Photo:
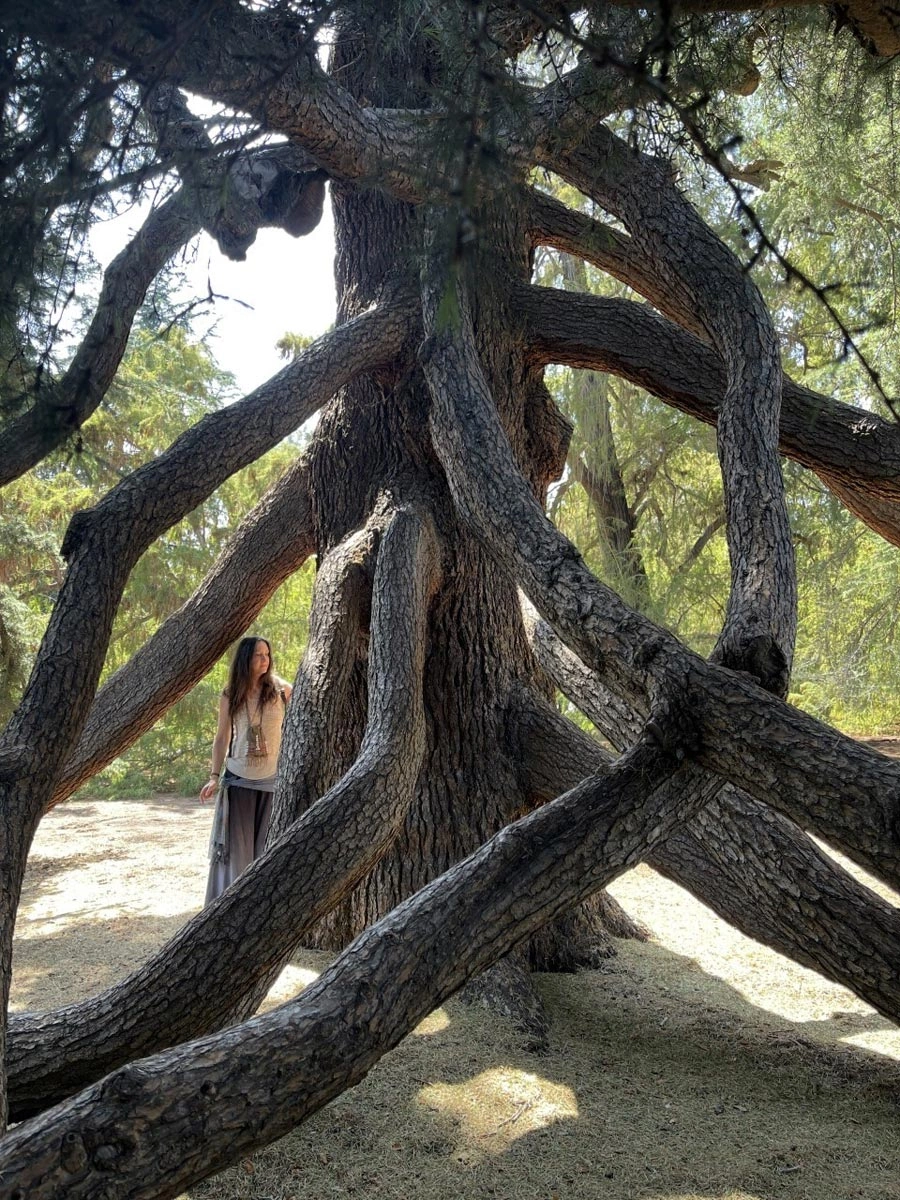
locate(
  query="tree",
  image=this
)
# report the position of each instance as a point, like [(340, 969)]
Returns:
[(433, 809), (165, 382)]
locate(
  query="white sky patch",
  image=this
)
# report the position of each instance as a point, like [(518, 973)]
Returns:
[(285, 285)]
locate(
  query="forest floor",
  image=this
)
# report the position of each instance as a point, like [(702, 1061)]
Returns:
[(698, 1064)]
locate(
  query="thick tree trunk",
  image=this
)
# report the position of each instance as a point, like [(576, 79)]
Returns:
[(373, 439), (150, 1130), (196, 981), (424, 499)]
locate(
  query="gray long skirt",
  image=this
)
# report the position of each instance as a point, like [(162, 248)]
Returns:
[(248, 824)]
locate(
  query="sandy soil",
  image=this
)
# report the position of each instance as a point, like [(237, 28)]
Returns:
[(699, 1064)]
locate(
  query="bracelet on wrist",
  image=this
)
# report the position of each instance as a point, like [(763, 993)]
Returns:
[(215, 774)]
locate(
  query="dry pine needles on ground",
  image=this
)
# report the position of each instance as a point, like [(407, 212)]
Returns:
[(696, 1065)]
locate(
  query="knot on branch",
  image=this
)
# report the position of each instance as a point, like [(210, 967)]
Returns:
[(13, 763), (761, 658), (124, 1085), (72, 1154), (75, 534), (427, 349), (295, 201)]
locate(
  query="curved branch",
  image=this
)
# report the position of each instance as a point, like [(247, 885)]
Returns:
[(232, 198), (704, 276), (259, 64), (236, 193), (854, 452), (194, 982), (551, 223), (750, 865), (62, 407), (281, 1067), (103, 543), (320, 741), (821, 779), (271, 543)]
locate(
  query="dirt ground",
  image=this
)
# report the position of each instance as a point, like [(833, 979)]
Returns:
[(697, 1065)]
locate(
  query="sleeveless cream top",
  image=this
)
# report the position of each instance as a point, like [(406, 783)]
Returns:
[(271, 717)]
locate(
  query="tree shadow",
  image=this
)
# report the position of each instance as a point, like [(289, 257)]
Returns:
[(660, 1081), (43, 870), (84, 956)]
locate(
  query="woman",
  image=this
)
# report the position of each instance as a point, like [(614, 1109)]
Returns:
[(244, 758)]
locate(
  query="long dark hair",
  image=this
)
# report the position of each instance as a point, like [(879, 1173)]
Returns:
[(239, 675)]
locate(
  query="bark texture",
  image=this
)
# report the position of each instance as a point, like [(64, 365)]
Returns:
[(419, 820), (220, 956), (751, 865), (855, 453), (246, 1086)]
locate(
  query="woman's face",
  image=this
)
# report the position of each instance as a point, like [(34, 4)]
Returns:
[(259, 663)]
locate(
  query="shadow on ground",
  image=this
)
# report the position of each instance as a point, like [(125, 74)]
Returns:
[(647, 1091)]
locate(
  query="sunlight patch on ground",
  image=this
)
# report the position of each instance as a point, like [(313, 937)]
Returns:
[(670, 1079), (758, 975), (499, 1106), (877, 1041), (77, 876), (708, 1196), (290, 983), (435, 1022)]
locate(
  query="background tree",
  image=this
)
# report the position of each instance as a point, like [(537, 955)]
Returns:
[(433, 809)]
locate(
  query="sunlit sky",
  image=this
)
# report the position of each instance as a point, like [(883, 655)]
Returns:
[(285, 285)]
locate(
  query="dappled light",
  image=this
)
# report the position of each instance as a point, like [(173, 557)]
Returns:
[(290, 983), (497, 1107), (664, 1079), (435, 1022), (808, 1004)]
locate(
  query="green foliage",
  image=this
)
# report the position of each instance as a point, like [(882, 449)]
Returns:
[(163, 386), (292, 345), (848, 646), (817, 160), (848, 653), (830, 205)]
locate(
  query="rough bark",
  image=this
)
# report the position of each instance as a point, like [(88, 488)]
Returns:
[(752, 866), (876, 26), (194, 983), (218, 1098), (854, 452), (231, 196), (268, 69), (374, 437), (468, 433), (554, 224), (103, 543), (819, 778), (234, 194), (100, 548), (63, 406), (271, 543), (697, 268)]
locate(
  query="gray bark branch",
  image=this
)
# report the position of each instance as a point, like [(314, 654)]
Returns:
[(751, 865), (854, 452), (821, 779), (271, 543), (701, 273), (194, 983), (62, 407), (224, 1095)]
